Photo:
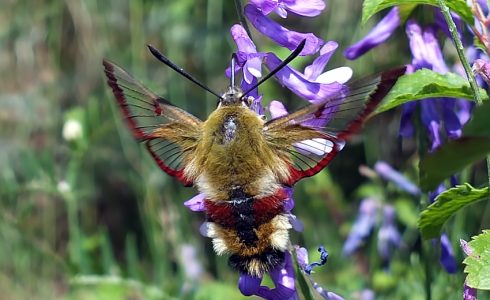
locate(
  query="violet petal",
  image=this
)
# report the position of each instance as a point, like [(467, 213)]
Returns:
[(299, 85), (390, 174), (307, 8), (281, 35), (447, 255), (316, 68), (249, 285), (380, 33), (196, 203)]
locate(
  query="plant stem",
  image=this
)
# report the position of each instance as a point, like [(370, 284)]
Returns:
[(464, 62)]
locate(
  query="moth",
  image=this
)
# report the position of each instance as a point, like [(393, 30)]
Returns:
[(242, 163)]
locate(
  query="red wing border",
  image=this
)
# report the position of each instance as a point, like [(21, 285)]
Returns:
[(146, 114), (336, 119)]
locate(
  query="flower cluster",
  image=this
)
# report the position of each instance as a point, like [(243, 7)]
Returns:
[(440, 117), (373, 213), (312, 84)]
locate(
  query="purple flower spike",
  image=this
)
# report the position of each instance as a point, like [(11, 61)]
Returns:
[(307, 8), (380, 33), (284, 37), (298, 84), (388, 236), (283, 278), (366, 219), (447, 259), (390, 174), (196, 203)]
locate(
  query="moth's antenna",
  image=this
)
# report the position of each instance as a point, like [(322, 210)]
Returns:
[(291, 56), (179, 70), (232, 77)]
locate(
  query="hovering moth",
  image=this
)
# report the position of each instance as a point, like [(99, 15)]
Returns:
[(241, 162)]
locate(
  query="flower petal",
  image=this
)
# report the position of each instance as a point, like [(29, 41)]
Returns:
[(390, 174), (299, 85), (339, 75), (380, 33), (248, 285), (364, 224), (307, 8), (277, 109), (316, 68), (196, 203), (284, 37), (447, 259), (265, 6)]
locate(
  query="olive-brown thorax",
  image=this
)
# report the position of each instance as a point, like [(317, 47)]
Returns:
[(233, 152)]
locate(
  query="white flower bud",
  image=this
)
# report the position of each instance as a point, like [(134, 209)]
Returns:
[(72, 130)]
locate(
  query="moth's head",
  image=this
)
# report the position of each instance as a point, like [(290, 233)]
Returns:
[(234, 96)]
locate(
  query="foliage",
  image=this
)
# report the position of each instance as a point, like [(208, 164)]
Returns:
[(478, 262), (446, 205)]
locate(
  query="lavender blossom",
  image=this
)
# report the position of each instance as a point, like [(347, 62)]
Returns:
[(389, 237), (282, 276), (364, 224), (378, 35), (307, 8), (390, 174), (281, 35)]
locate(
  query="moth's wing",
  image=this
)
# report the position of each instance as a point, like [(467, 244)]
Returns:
[(170, 133), (310, 137)]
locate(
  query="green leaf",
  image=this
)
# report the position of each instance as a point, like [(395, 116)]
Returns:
[(371, 7), (446, 204), (451, 158), (479, 125), (478, 262), (427, 84)]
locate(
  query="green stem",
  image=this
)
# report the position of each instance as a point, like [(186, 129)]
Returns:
[(464, 62)]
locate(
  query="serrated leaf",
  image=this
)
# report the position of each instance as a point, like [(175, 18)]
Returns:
[(427, 84), (478, 262), (371, 7), (445, 205), (451, 158)]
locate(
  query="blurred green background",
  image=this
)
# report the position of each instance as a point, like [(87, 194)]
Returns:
[(92, 217)]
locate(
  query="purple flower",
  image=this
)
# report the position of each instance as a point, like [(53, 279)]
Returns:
[(482, 68), (196, 203), (300, 85), (436, 114), (252, 67), (282, 276), (380, 33), (447, 259), (281, 35), (307, 8), (469, 293), (390, 174), (388, 236), (364, 224)]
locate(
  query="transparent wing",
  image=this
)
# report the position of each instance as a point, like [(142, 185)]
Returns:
[(169, 132), (318, 131)]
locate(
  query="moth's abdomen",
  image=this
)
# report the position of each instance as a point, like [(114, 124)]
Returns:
[(253, 230)]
